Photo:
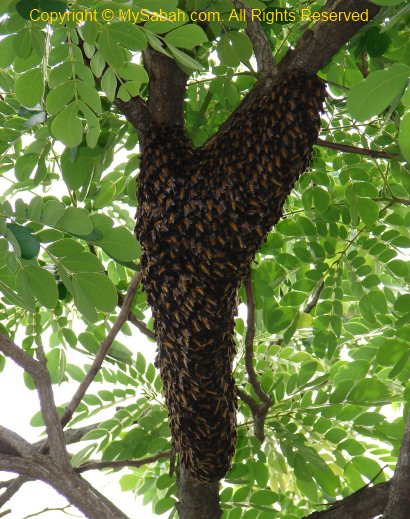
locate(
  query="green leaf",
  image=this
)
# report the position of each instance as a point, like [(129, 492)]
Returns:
[(387, 2), (140, 363), (400, 268), (302, 469), (89, 342), (43, 285), (404, 136), (263, 497), (377, 91), (82, 262), (186, 37), (128, 35), (369, 391), (65, 247), (133, 72), (60, 96), (76, 221), (164, 505), (29, 243), (120, 244), (67, 127), (368, 210), (99, 289), (29, 87), (89, 95), (77, 166), (184, 59), (25, 290), (109, 84), (53, 210), (402, 304), (234, 47), (25, 165), (82, 455), (321, 198), (110, 51), (376, 42)]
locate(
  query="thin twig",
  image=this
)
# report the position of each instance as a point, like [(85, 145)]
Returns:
[(142, 327), (249, 338), (310, 305), (102, 352), (115, 464), (346, 148), (35, 514)]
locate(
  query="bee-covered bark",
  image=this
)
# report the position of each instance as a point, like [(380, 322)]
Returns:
[(202, 215)]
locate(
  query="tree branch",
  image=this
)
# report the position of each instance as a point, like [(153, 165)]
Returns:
[(39, 373), (136, 112), (249, 338), (20, 357), (366, 503), (142, 327), (313, 50), (72, 486), (52, 422), (398, 504), (354, 149), (102, 352), (310, 305), (116, 464), (259, 410), (17, 444), (317, 45), (167, 84), (260, 43)]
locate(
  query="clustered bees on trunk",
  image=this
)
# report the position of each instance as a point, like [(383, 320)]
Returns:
[(202, 215)]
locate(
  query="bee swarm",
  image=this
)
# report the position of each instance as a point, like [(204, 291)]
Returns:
[(202, 215)]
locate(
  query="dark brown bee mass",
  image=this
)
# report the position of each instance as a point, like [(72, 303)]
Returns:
[(202, 215)]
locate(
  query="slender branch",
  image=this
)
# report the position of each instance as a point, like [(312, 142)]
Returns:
[(52, 422), (20, 357), (354, 149), (116, 464), (398, 504), (35, 514), (260, 43), (249, 401), (102, 352), (366, 503), (249, 338), (12, 488), (310, 305), (142, 327), (259, 410), (39, 372)]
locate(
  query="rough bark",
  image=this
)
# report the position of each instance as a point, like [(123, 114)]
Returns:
[(366, 503), (398, 506), (197, 498)]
